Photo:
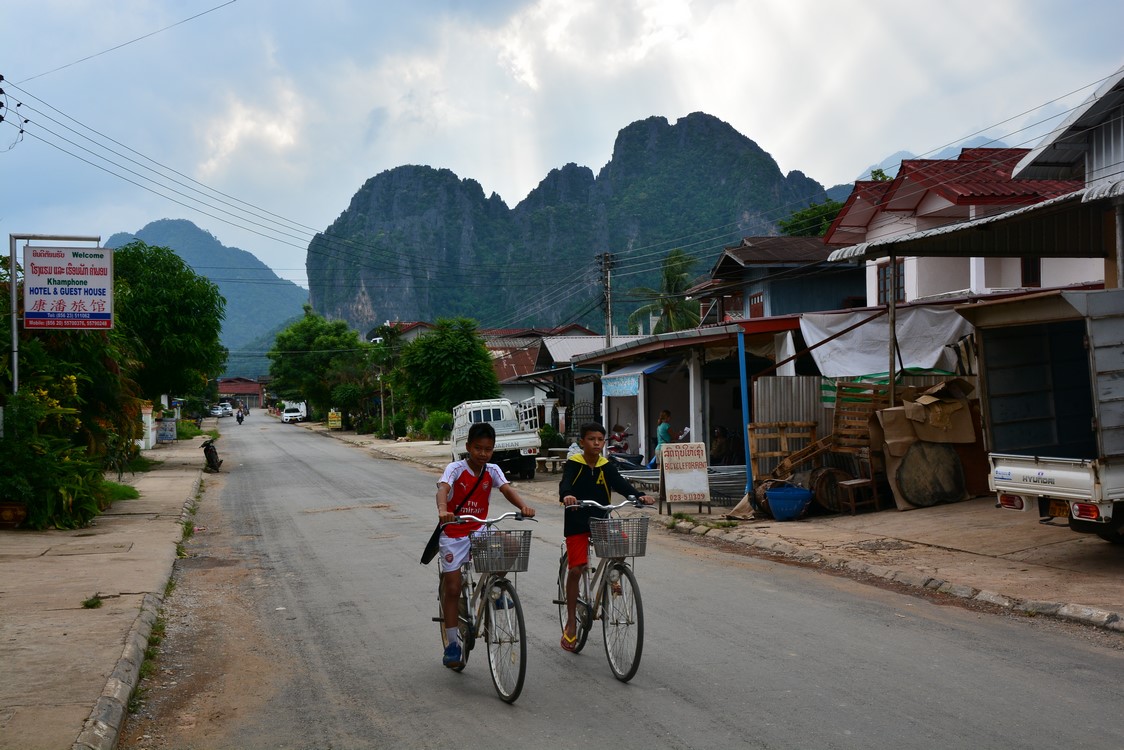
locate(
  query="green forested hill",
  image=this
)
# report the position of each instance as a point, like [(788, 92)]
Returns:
[(417, 243), (258, 302)]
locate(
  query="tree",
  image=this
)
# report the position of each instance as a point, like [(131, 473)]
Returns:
[(448, 365), (669, 302), (813, 221), (75, 416), (174, 314), (312, 356)]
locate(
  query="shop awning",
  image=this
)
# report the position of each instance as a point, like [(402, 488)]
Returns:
[(626, 381)]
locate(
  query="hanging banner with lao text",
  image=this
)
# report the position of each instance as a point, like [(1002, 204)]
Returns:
[(684, 473), (67, 287)]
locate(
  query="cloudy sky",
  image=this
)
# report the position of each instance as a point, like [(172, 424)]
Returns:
[(280, 110)]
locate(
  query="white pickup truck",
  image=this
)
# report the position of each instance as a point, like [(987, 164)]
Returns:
[(517, 432), (1052, 392)]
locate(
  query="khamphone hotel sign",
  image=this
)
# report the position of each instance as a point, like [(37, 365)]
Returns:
[(67, 287)]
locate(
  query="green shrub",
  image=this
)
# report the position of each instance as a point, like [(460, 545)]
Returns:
[(551, 438), (186, 430), (438, 425), (39, 465)]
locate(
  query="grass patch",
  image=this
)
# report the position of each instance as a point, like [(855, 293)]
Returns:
[(723, 524), (114, 491), (93, 602), (148, 665), (684, 517), (186, 430), (169, 587), (141, 464)]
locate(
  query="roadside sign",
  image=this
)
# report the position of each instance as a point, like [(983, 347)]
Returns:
[(335, 420), (67, 287), (683, 474)]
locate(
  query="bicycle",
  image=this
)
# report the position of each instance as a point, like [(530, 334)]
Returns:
[(490, 608), (617, 600)]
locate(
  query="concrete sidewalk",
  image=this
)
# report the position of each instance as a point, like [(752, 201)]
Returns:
[(68, 671)]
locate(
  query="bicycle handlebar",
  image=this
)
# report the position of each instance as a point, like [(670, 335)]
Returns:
[(632, 500), (518, 516)]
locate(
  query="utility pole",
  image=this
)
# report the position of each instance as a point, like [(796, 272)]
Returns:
[(605, 260)]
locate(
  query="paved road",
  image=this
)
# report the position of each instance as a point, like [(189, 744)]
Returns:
[(740, 652)]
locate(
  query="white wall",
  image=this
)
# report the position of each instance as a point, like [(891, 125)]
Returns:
[(1064, 271), (925, 277)]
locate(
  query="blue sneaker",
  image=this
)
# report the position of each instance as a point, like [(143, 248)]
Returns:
[(503, 602), (452, 658)]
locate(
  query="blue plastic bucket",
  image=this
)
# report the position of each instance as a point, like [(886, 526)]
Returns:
[(787, 503)]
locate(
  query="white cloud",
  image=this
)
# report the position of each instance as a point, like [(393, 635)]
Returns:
[(293, 106)]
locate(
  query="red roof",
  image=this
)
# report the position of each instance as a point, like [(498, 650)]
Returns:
[(944, 189), (511, 363)]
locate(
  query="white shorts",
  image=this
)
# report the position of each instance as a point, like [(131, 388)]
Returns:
[(455, 550)]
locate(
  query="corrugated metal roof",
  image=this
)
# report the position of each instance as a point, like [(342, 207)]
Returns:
[(563, 349), (1082, 238), (754, 250), (1057, 154)]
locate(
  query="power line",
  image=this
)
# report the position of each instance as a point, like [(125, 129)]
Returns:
[(126, 44)]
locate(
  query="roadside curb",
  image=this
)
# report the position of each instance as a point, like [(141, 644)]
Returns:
[(1077, 613), (102, 729)]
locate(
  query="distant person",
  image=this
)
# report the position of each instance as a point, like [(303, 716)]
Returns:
[(663, 435), (720, 448)]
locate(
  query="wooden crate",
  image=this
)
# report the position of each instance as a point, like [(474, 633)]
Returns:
[(771, 442), (855, 403)]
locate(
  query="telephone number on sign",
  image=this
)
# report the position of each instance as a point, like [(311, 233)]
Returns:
[(686, 497)]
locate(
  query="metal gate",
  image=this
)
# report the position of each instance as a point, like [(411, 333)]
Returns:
[(577, 415)]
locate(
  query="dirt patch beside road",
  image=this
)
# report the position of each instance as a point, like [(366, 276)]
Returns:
[(214, 664)]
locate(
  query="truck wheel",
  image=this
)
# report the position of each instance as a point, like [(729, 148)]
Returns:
[(1111, 535)]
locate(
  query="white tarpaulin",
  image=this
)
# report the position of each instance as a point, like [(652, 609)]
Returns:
[(924, 335)]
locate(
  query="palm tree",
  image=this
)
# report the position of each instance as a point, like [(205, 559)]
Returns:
[(676, 312)]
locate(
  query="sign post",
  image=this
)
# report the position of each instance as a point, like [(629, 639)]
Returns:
[(683, 475)]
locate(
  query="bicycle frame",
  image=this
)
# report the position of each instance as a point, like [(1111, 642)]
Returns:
[(489, 609), (611, 581)]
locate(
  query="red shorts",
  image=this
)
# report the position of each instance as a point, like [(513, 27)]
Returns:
[(577, 550)]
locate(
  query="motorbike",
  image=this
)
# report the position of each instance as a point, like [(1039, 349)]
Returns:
[(211, 454), (617, 449), (627, 461), (240, 417)]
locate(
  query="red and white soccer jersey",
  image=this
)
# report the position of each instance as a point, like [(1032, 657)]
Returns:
[(458, 476)]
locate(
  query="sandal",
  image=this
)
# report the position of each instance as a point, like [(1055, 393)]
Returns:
[(569, 643)]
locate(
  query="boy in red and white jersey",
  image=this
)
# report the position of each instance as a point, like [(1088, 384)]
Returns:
[(463, 490)]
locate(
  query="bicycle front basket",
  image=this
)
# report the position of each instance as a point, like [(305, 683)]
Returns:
[(501, 551), (619, 537)]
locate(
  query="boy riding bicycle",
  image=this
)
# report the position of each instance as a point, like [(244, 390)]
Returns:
[(586, 476), (470, 481)]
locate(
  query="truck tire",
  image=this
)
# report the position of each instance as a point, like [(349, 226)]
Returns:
[(1113, 531)]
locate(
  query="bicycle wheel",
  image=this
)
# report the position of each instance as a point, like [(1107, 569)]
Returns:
[(462, 619), (507, 639), (563, 566), (622, 621)]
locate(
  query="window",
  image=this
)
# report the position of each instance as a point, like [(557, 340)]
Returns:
[(1031, 272), (884, 282), (757, 305)]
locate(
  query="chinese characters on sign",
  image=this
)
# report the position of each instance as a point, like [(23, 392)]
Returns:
[(67, 287)]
